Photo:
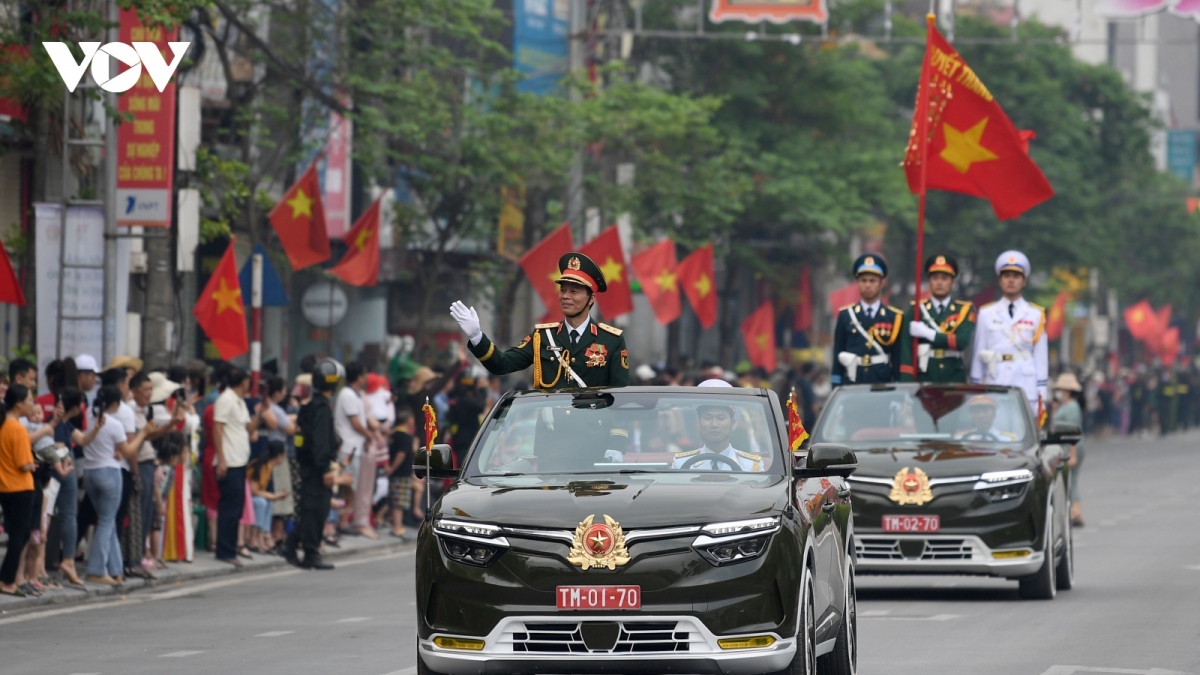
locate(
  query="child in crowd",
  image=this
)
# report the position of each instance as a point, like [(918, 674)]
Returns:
[(259, 475), (168, 451)]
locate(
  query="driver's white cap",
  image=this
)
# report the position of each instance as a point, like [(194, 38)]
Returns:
[(715, 383)]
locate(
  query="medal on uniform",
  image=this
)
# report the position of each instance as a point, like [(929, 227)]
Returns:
[(911, 488), (598, 545), (597, 355)]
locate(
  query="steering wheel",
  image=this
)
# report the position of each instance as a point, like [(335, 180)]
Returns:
[(712, 457), (980, 436)]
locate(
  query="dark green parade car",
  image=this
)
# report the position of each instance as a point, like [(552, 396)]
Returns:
[(637, 530), (955, 479)]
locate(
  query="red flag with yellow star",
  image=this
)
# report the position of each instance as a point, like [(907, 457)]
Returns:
[(605, 250), (655, 269), (1141, 320), (541, 266), (1057, 317), (360, 265), (299, 220), (695, 275), (971, 146), (220, 311), (758, 330), (797, 434), (431, 428)]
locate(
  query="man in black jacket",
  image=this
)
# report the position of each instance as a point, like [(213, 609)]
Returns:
[(316, 453)]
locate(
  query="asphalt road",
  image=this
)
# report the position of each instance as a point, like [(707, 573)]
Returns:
[(1135, 609)]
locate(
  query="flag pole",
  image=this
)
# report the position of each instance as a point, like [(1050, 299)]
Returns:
[(923, 154), (428, 466), (256, 283)]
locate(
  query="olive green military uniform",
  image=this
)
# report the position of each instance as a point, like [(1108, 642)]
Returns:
[(599, 356), (956, 329)]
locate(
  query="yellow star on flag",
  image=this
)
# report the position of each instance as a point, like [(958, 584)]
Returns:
[(963, 148), (360, 242), (612, 270), (1138, 315), (666, 281), (227, 298), (762, 341), (703, 285), (554, 275), (301, 204)]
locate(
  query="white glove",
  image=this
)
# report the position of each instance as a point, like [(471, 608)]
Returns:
[(615, 456), (467, 320), (919, 329)]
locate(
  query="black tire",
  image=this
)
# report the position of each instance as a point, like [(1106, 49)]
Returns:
[(843, 660), (1043, 585), (805, 660)]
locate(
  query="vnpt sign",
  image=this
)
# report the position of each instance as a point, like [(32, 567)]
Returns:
[(135, 56)]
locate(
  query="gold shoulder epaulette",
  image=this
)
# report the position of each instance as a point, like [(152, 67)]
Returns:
[(966, 303), (842, 309), (747, 455), (894, 309), (988, 304), (1037, 307), (687, 453), (611, 329), (552, 324)]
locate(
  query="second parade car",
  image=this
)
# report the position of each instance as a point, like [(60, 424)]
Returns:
[(956, 479), (640, 529)]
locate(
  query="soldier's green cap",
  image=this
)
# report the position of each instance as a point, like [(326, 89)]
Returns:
[(577, 268)]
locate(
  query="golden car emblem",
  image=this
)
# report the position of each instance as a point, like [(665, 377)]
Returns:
[(911, 487), (573, 264), (598, 545)]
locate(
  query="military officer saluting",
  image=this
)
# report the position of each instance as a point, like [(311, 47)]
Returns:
[(1010, 337), (867, 337), (573, 353), (943, 328)]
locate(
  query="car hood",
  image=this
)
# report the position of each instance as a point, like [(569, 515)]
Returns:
[(644, 500), (940, 459)]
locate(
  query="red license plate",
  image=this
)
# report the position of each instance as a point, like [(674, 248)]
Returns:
[(599, 597), (912, 523)]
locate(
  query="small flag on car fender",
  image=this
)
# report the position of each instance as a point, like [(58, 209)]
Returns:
[(797, 434)]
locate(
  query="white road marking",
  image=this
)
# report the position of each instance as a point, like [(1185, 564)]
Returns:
[(354, 619), (1193, 567), (1071, 670), (406, 671), (935, 617), (275, 633), (187, 590), (180, 654)]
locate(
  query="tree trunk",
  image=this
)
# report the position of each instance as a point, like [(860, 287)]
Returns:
[(429, 282)]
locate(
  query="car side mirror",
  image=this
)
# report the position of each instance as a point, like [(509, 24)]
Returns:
[(827, 459), (436, 462), (1063, 433)]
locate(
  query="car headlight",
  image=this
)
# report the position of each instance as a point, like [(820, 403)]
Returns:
[(470, 543), (998, 486), (736, 541)]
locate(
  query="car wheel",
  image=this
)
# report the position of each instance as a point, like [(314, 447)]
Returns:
[(1065, 574), (805, 660), (843, 660), (1043, 585)]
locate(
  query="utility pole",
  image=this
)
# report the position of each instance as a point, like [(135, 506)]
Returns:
[(111, 312), (577, 43), (156, 342)]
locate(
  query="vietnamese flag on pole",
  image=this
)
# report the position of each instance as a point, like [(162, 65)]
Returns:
[(1057, 317), (1140, 319), (758, 330), (10, 287), (655, 269), (299, 220), (220, 311), (970, 147), (605, 250), (541, 264), (360, 265), (695, 273), (846, 295)]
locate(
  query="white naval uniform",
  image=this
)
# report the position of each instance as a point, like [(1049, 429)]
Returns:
[(998, 434), (1012, 351), (748, 461)]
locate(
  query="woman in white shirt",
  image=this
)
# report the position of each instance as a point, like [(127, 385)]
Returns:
[(102, 482)]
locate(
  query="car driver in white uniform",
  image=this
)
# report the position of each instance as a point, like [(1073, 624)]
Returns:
[(983, 416), (1010, 345), (716, 425)]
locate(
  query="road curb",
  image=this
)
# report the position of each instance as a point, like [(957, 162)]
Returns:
[(74, 596)]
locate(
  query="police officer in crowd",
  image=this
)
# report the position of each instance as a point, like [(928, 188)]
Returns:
[(866, 339), (942, 326), (573, 353), (316, 455), (1010, 345)]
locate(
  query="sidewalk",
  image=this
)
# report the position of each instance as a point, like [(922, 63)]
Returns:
[(205, 566)]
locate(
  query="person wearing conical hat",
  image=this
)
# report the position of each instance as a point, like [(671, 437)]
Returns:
[(1010, 346), (943, 328), (867, 335), (569, 354)]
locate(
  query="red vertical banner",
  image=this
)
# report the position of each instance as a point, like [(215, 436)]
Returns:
[(336, 194), (146, 145)]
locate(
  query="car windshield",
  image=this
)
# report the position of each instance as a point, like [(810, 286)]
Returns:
[(614, 432), (926, 413)]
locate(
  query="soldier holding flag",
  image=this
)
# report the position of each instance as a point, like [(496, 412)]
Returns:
[(942, 327)]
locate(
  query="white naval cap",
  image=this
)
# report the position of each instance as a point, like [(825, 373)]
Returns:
[(1013, 261)]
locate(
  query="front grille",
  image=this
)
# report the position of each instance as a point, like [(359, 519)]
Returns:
[(891, 548), (566, 637)]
